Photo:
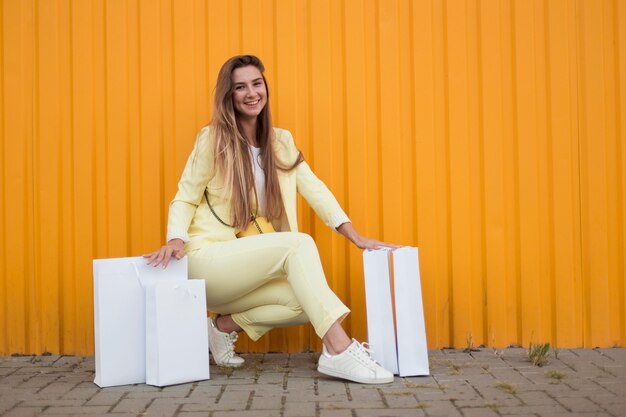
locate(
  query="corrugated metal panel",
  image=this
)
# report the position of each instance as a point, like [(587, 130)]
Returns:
[(486, 132)]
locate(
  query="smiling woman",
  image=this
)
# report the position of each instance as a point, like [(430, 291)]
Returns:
[(249, 97), (267, 280)]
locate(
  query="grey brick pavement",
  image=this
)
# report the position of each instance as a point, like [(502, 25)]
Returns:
[(580, 382)]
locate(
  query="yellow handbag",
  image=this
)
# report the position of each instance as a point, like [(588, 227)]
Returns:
[(257, 225)]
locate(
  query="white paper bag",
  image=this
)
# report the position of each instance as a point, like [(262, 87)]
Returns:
[(399, 347), (177, 349), (380, 327), (410, 328), (119, 316)]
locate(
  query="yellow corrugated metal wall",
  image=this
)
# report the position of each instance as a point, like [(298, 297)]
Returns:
[(487, 132)]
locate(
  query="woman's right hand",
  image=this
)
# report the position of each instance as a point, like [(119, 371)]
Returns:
[(175, 248)]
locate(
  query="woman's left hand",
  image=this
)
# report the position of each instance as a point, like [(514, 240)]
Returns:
[(363, 242), (368, 243)]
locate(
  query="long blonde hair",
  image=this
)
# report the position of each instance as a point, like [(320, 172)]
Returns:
[(232, 156)]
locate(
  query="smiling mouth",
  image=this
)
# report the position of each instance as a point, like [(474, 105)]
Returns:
[(253, 103)]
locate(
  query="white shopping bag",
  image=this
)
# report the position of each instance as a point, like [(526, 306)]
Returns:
[(177, 349), (410, 328), (380, 328), (403, 351), (119, 316)]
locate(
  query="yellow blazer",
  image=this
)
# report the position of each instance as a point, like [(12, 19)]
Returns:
[(191, 220)]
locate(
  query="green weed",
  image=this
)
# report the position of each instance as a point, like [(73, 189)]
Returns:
[(506, 387), (538, 353)]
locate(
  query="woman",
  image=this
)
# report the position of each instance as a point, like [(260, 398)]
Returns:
[(240, 168)]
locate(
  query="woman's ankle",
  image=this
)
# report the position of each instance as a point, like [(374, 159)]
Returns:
[(226, 324), (336, 339), (217, 323), (337, 348)]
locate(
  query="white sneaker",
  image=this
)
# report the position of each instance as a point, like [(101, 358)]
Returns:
[(354, 364), (222, 346)]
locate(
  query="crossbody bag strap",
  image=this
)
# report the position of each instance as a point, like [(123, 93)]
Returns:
[(252, 217), (206, 195)]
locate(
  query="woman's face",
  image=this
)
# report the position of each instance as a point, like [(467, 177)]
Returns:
[(249, 93)]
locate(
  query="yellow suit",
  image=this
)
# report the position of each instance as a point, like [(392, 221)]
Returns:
[(264, 281), (189, 214)]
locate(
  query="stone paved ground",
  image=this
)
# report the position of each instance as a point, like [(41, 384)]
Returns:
[(580, 382)]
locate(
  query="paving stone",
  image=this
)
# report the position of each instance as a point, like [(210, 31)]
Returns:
[(72, 411), (619, 355), (42, 370), (158, 394), (58, 388), (304, 409), (617, 389), (55, 403), (228, 401), (205, 392), (371, 396), (7, 403), (479, 412), (442, 409), (578, 405), (17, 360), (432, 396), (247, 413), (557, 388), (335, 413), (300, 396), (6, 371), (391, 413), (241, 387), (134, 405), (496, 394), (616, 410), (234, 381), (110, 415), (24, 412), (590, 414), (163, 407), (481, 379), (401, 401), (260, 402), (547, 410), (296, 382), (199, 406), (462, 384), (609, 399), (271, 378), (583, 384), (105, 398), (68, 362), (480, 403), (511, 376), (80, 393), (335, 405), (535, 398), (39, 381), (329, 405)]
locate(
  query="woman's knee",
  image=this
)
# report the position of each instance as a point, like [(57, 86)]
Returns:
[(296, 237), (302, 240)]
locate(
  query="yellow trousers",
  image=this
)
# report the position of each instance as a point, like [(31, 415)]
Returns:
[(266, 281)]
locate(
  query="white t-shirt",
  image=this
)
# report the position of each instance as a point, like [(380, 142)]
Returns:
[(259, 178)]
